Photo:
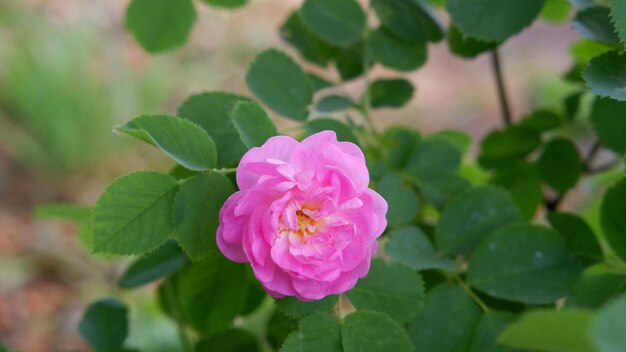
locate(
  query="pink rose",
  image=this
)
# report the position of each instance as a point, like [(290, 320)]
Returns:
[(304, 217)]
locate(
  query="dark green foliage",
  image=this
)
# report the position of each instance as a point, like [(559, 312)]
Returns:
[(344, 133), (338, 22), (395, 53), (412, 20), (606, 75), (401, 197), (232, 340), (313, 49), (613, 217), (105, 325), (560, 164), (153, 266), (578, 235), (594, 23), (392, 93)]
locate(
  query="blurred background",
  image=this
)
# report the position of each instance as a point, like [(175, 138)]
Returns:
[(69, 72)]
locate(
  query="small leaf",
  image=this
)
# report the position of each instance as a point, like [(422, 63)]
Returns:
[(402, 199), (134, 214), (281, 84), (410, 20), (541, 120), (185, 142), (594, 23), (231, 340), (560, 164), (398, 54), (105, 325), (365, 331), (465, 46), (572, 105), (472, 216), (211, 112), (578, 235), (392, 93), (338, 22), (411, 246), (493, 20), (490, 325), (618, 16), (607, 329), (390, 288), (524, 185), (594, 291), (613, 218), (349, 61), (333, 103), (196, 212), (606, 75), (252, 123), (298, 309), (446, 322), (226, 4), (548, 330), (318, 83), (153, 266), (160, 25), (524, 263), (296, 34), (503, 148), (344, 133)]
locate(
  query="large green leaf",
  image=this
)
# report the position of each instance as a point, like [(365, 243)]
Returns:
[(503, 148), (402, 199), (489, 327), (549, 330), (391, 288), (196, 212), (226, 4), (344, 133), (211, 112), (608, 329), (252, 123), (160, 25), (606, 75), (295, 308), (524, 263), (493, 20), (154, 265), (395, 53), (281, 84), (560, 164), (524, 185), (446, 322), (472, 216), (182, 140), (578, 235), (313, 49), (593, 291), (465, 46), (433, 159), (392, 93), (338, 22), (412, 20), (105, 325), (320, 332), (134, 214), (594, 23), (366, 331), (613, 218), (618, 15), (231, 340), (411, 246)]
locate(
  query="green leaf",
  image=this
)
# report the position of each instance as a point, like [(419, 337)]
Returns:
[(399, 143), (458, 139), (338, 22), (252, 123), (541, 120), (584, 50), (613, 218), (609, 124), (365, 331), (292, 343), (402, 199), (493, 20), (556, 11), (134, 214), (411, 246), (349, 61), (465, 46), (606, 75), (490, 325), (231, 340), (594, 23), (344, 133), (549, 330), (607, 329), (398, 54), (442, 189), (524, 263), (211, 112), (503, 148), (296, 34), (207, 294), (472, 216), (320, 332), (280, 83), (226, 4), (578, 235), (446, 322), (560, 164), (333, 103), (196, 212), (524, 185), (153, 266), (391, 288), (412, 20), (105, 325), (160, 25), (256, 294), (392, 93), (572, 105), (298, 309), (318, 83), (279, 327), (185, 142), (433, 158), (618, 16), (594, 291)]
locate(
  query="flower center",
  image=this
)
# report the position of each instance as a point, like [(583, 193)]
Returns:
[(307, 226)]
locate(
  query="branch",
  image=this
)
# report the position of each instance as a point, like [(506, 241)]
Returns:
[(502, 94)]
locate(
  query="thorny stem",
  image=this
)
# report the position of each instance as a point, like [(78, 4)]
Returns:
[(471, 293), (173, 304), (502, 94)]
